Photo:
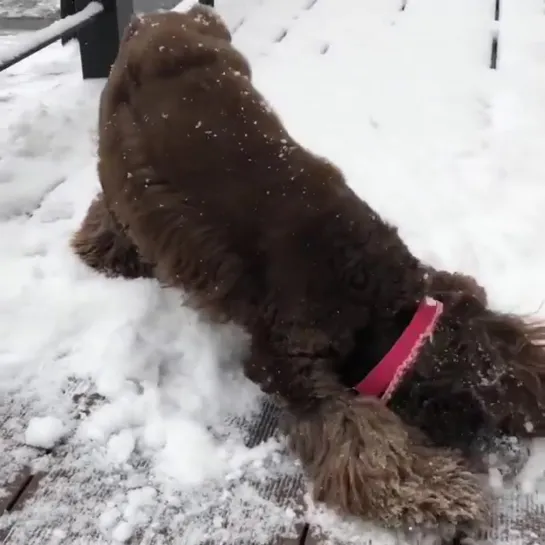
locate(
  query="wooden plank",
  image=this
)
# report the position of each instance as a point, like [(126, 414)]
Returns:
[(521, 27), (518, 520), (67, 503), (19, 479), (15, 470), (283, 492), (31, 485), (265, 24), (321, 23), (457, 33), (16, 475), (14, 488)]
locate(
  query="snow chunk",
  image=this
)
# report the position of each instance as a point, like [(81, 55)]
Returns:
[(109, 518), (188, 466), (44, 432), (534, 470), (122, 532), (495, 478), (121, 446)]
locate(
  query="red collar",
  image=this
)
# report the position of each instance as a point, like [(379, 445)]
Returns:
[(387, 374)]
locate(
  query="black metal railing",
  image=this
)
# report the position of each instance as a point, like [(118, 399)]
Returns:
[(98, 26)]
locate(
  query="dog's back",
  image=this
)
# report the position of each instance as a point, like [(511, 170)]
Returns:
[(221, 156)]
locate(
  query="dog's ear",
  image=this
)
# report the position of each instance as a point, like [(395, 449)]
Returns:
[(120, 78), (134, 24), (209, 22), (131, 29)]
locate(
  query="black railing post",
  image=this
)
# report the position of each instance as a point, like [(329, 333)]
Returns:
[(68, 7), (99, 41)]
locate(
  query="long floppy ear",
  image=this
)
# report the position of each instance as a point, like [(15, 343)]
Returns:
[(132, 28), (120, 66), (209, 22)]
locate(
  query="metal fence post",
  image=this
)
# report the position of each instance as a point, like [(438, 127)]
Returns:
[(68, 7), (99, 41)]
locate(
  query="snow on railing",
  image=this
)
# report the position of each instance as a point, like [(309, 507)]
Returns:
[(97, 24), (42, 38)]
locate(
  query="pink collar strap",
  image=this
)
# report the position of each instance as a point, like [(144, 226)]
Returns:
[(387, 374)]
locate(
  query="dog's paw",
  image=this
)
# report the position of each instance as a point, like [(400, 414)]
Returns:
[(451, 497), (363, 461), (353, 451)]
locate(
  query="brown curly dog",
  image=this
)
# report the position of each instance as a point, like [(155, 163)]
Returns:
[(388, 371)]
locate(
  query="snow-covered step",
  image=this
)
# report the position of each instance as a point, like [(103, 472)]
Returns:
[(448, 35), (267, 23)]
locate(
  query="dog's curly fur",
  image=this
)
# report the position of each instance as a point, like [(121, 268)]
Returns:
[(204, 182), (101, 243)]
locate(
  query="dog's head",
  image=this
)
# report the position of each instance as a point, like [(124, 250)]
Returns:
[(208, 21), (162, 46), (166, 44), (158, 27)]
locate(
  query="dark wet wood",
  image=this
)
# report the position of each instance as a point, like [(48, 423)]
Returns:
[(31, 486), (290, 541), (19, 487), (14, 490)]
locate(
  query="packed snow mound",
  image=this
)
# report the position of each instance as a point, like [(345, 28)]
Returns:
[(44, 432)]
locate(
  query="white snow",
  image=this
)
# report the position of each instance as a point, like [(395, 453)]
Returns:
[(534, 470), (122, 532), (402, 101), (121, 446), (35, 39), (44, 432), (495, 478), (109, 518), (29, 8)]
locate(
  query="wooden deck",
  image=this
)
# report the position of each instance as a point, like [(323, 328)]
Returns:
[(48, 484), (55, 492), (58, 489)]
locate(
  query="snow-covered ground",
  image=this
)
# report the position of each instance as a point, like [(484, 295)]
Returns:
[(29, 8), (50, 8), (402, 100)]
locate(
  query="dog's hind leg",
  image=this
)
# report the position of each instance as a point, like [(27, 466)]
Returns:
[(359, 456), (101, 243), (185, 242)]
